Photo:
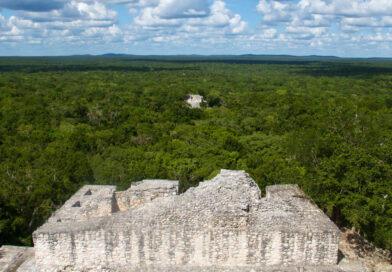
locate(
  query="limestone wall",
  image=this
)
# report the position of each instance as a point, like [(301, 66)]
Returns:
[(93, 201), (12, 257), (174, 247), (89, 202), (284, 191), (145, 191)]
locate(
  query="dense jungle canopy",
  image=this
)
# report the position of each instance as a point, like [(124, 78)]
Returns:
[(323, 123)]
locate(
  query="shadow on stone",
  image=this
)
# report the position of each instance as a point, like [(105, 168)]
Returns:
[(88, 193), (77, 204), (340, 256)]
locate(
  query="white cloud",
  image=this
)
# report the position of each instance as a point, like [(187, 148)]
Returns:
[(186, 23), (8, 31), (76, 22), (220, 15), (194, 25), (325, 12), (324, 23), (137, 3), (147, 17), (171, 9), (276, 11), (353, 8), (169, 12), (75, 11), (215, 20), (32, 5), (270, 33)]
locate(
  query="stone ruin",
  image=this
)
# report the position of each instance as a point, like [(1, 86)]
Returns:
[(224, 224), (194, 100)]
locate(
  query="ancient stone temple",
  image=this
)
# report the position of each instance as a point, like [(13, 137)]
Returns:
[(224, 224), (194, 100)]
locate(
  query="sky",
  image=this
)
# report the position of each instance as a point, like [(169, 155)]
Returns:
[(345, 28)]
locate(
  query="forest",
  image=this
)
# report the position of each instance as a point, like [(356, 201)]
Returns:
[(322, 123)]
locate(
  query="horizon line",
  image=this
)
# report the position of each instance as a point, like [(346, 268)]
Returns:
[(193, 55)]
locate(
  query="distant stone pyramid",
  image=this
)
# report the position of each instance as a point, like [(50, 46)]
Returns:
[(195, 100)]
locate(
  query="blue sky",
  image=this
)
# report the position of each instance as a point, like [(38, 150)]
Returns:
[(355, 28)]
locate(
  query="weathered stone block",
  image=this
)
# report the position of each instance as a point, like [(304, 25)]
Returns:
[(145, 191)]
